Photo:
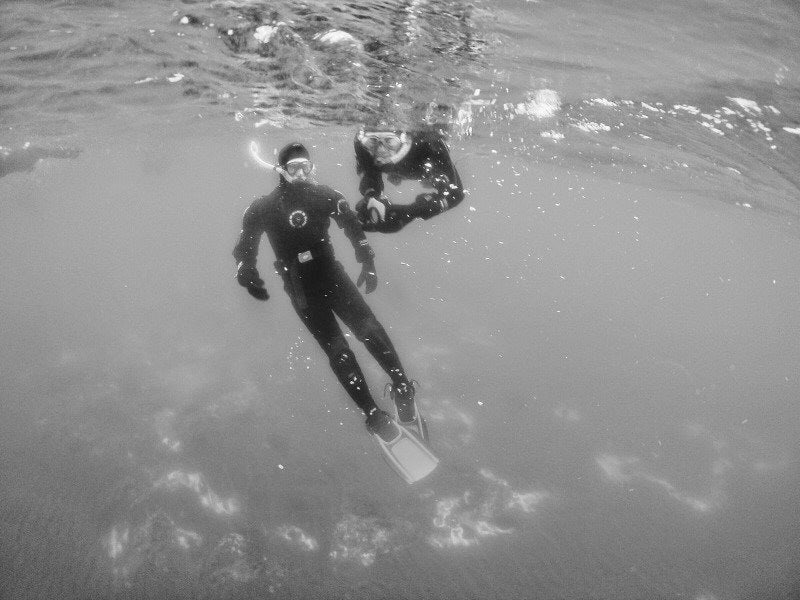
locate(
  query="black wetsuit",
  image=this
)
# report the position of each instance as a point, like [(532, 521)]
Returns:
[(296, 218), (428, 160)]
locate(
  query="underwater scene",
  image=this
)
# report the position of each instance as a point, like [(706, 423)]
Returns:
[(603, 332)]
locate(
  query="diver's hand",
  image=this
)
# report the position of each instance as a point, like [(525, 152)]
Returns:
[(247, 276), (372, 210), (259, 293), (364, 251), (368, 276)]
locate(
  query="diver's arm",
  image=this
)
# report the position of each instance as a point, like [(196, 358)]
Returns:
[(246, 253), (383, 216), (371, 183), (246, 249), (445, 180), (347, 220)]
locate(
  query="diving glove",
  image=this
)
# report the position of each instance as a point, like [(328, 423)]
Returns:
[(372, 210), (247, 276), (368, 276), (364, 251)]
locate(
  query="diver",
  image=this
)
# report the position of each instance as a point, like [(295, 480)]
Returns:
[(296, 217), (402, 155)]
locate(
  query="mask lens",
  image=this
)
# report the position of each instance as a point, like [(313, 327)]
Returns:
[(393, 143), (389, 141), (371, 143), (293, 168)]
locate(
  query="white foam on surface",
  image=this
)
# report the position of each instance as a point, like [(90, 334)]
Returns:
[(264, 33), (552, 134), (336, 36), (540, 104), (749, 106), (591, 126), (603, 102)]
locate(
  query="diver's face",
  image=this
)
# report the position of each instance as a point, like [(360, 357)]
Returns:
[(382, 146), (298, 170)]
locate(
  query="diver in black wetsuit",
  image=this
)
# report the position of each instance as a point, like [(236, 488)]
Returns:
[(296, 217), (420, 155)]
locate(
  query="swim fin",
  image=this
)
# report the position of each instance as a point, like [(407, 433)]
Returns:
[(417, 425), (404, 452), (406, 411)]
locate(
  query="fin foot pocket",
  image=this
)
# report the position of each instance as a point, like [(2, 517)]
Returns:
[(404, 451)]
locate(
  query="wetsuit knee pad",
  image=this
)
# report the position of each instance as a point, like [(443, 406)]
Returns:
[(339, 352), (343, 359), (343, 362), (371, 329), (347, 370)]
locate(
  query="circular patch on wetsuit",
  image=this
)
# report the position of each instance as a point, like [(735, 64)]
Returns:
[(298, 219)]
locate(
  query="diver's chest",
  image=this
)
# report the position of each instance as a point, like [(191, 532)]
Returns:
[(299, 220)]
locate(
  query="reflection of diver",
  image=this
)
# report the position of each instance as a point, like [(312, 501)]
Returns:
[(26, 158), (420, 155), (296, 217)]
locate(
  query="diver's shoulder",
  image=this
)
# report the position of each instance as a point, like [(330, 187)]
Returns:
[(269, 199), (427, 136), (263, 204), (326, 192)]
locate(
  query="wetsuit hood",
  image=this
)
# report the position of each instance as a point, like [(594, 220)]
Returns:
[(290, 151)]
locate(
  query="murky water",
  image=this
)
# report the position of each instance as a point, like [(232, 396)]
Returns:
[(605, 331)]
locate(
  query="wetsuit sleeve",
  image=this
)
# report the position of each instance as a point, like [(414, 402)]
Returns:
[(445, 176), (371, 183), (347, 220), (442, 174), (246, 250)]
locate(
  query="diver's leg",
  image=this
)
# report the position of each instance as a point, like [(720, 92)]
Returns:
[(322, 324), (358, 316)]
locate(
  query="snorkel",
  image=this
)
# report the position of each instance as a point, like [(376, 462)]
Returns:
[(255, 153)]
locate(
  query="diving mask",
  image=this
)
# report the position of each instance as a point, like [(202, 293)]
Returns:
[(297, 165), (385, 146)]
